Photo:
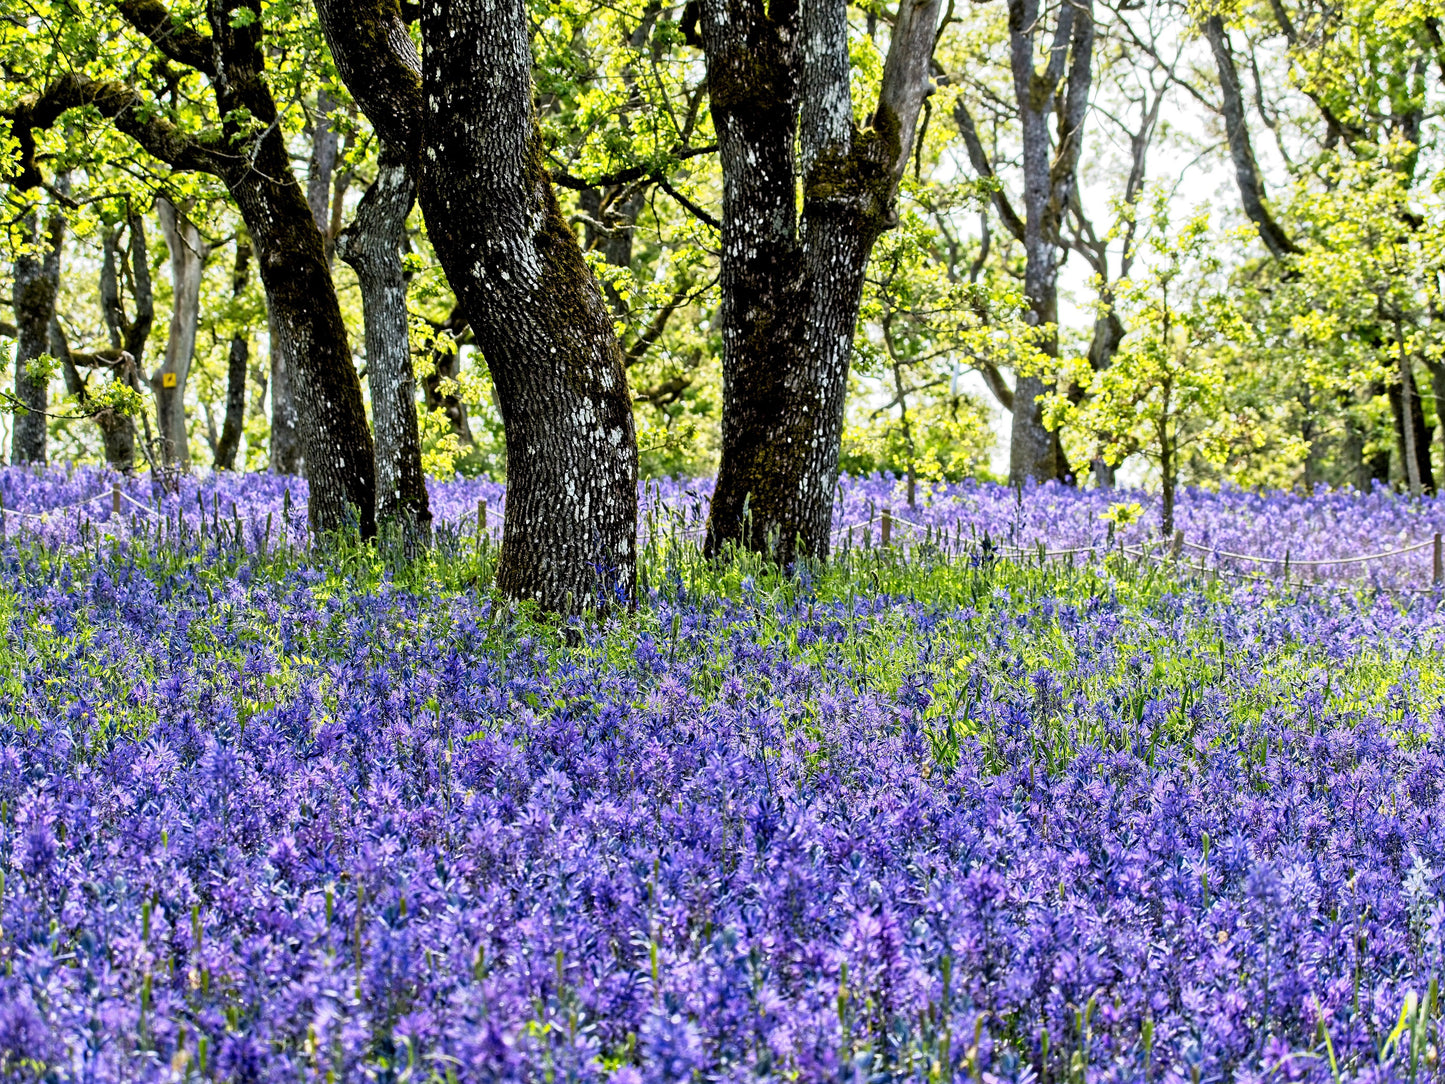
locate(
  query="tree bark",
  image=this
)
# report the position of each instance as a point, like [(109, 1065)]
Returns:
[(1050, 175), (791, 287), (188, 258), (127, 335), (37, 278), (321, 168), (286, 457), (537, 313), (237, 364), (1412, 435), (372, 247)]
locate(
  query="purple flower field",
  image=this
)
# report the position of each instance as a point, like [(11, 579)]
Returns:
[(268, 814)]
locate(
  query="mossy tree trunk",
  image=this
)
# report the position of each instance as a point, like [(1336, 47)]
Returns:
[(792, 285), (534, 308)]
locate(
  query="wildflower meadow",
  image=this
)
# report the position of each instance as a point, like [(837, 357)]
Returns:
[(957, 808)]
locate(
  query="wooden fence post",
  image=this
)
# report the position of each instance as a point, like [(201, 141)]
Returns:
[(887, 528), (115, 498), (1439, 565), (1176, 545)]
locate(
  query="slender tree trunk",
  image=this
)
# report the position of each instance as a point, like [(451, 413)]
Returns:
[(372, 246), (1109, 334), (1049, 179), (237, 364), (1241, 150), (1412, 437), (37, 278), (188, 257), (321, 169), (447, 365)]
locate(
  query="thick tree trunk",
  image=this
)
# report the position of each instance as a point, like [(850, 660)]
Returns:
[(791, 293), (537, 313), (372, 246), (753, 85), (309, 335), (37, 278), (237, 364), (188, 257), (306, 324)]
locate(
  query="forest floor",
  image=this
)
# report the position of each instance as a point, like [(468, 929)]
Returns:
[(1026, 795)]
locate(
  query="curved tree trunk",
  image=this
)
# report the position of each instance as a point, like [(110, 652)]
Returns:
[(37, 278), (372, 246), (511, 257), (569, 533), (188, 258), (237, 363)]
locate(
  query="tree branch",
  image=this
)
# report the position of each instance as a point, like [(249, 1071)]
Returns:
[(624, 176), (116, 101), (1246, 168), (978, 158), (170, 35)]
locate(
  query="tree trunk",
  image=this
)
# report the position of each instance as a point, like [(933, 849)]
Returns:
[(1049, 180), (237, 364), (285, 431), (752, 83), (569, 532), (1412, 436), (372, 246), (537, 313), (37, 278), (128, 335), (1241, 150), (791, 291), (188, 257), (321, 168)]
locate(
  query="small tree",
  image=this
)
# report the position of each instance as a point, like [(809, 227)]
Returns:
[(1166, 391)]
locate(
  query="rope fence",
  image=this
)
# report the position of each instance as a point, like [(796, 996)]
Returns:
[(659, 520)]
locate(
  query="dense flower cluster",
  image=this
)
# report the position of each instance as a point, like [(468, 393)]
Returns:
[(957, 518), (271, 819)]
